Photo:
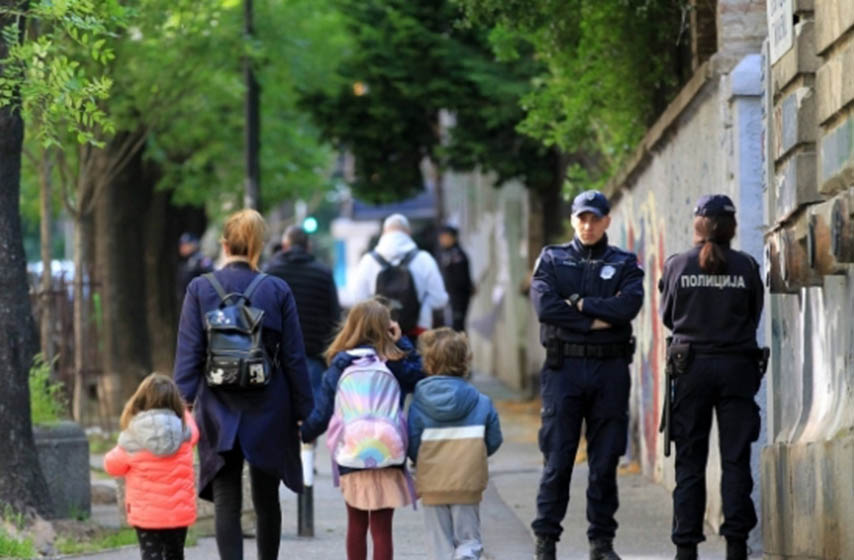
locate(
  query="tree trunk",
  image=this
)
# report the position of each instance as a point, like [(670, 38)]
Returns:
[(22, 484), (83, 286), (120, 247), (46, 289)]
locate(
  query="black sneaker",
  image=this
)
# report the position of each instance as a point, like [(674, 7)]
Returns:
[(545, 548), (603, 549), (686, 552), (736, 549)]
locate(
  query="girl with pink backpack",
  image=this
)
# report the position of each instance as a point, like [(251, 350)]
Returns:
[(371, 367)]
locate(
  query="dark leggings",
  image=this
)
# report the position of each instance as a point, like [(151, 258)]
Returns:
[(228, 500), (358, 522), (161, 544)]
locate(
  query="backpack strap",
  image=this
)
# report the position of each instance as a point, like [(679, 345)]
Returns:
[(377, 257), (220, 291), (247, 295), (408, 257)]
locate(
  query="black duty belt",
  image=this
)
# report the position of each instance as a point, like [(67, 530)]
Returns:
[(600, 351)]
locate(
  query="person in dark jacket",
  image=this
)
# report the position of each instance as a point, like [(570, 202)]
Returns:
[(586, 294), (316, 297), (454, 264), (192, 262), (259, 426), (711, 300)]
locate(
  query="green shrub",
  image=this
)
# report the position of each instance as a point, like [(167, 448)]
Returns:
[(13, 548), (47, 397)]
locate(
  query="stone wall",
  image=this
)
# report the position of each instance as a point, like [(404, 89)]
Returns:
[(806, 469), (493, 225)]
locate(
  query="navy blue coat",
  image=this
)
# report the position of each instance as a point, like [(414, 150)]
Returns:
[(264, 422), (607, 278)]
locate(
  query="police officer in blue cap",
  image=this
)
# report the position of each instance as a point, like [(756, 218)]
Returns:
[(586, 294), (711, 301)]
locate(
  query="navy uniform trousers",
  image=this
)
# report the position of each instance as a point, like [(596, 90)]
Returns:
[(726, 384), (595, 391)]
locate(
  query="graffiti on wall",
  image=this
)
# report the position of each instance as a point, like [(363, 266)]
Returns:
[(643, 232)]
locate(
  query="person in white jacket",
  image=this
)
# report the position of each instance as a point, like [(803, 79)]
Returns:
[(393, 246)]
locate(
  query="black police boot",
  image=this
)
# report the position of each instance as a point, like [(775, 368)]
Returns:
[(736, 549), (686, 552), (602, 549), (545, 548)]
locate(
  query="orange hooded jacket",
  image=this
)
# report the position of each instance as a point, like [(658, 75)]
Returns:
[(155, 455)]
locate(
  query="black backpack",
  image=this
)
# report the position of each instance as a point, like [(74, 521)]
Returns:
[(395, 283), (237, 358)]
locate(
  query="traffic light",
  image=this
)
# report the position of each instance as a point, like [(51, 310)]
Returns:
[(309, 224)]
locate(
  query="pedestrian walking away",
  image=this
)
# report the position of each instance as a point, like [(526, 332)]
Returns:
[(712, 298), (240, 361), (154, 454), (454, 264), (315, 294), (452, 430), (372, 366), (409, 277), (586, 294)]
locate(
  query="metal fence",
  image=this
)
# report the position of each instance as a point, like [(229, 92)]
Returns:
[(61, 299)]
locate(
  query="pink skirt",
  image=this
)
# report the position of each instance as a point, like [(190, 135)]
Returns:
[(375, 489)]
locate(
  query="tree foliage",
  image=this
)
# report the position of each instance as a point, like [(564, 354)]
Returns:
[(54, 71), (611, 67), (412, 60)]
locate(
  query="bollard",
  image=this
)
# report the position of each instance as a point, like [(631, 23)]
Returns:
[(305, 501)]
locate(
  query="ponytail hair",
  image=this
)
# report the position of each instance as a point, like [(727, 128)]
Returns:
[(713, 232), (243, 234)]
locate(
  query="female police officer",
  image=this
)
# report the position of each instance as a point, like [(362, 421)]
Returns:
[(711, 301)]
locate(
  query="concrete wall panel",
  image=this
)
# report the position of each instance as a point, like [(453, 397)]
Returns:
[(796, 185), (794, 121), (834, 81), (493, 230), (836, 154), (833, 19), (800, 61)]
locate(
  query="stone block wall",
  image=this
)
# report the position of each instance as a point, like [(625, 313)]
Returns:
[(806, 469), (502, 325)]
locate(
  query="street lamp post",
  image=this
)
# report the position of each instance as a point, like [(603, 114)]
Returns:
[(252, 193)]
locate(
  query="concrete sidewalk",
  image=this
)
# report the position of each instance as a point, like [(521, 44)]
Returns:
[(506, 512)]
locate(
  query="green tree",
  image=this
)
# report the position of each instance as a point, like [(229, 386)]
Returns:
[(176, 102), (46, 86), (411, 61), (610, 68)]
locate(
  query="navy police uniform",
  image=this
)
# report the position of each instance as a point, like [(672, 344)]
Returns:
[(586, 376), (718, 315)]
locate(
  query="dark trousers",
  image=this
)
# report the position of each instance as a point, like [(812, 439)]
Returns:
[(228, 500), (727, 385), (459, 311), (597, 393), (162, 544)]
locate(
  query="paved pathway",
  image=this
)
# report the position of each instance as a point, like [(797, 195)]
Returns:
[(506, 511)]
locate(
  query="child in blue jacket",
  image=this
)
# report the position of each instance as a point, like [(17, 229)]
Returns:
[(452, 430)]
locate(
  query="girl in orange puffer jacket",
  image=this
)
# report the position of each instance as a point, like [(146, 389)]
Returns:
[(155, 455)]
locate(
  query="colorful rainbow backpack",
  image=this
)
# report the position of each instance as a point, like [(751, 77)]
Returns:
[(367, 429)]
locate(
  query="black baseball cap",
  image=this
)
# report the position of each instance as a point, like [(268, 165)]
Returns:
[(591, 201), (713, 205)]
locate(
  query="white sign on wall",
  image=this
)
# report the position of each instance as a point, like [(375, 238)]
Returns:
[(781, 28)]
